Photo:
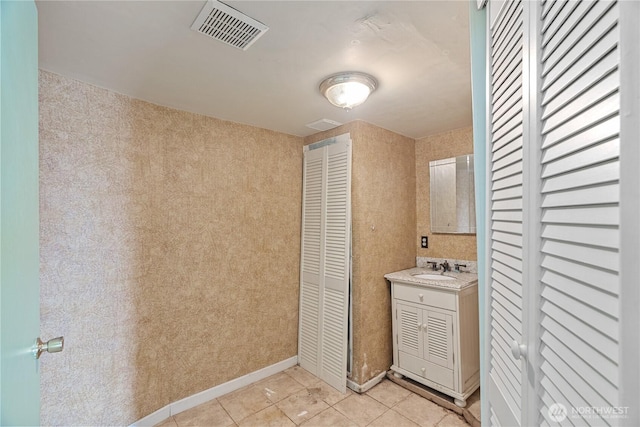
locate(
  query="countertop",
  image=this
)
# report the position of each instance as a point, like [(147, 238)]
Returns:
[(462, 280)]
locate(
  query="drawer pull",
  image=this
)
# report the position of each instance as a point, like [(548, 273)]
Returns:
[(421, 297)]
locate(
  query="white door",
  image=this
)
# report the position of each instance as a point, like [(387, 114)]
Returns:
[(554, 279), (505, 202), (580, 197), (326, 260), (19, 223)]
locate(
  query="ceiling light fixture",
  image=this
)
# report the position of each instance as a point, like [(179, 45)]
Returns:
[(349, 89)]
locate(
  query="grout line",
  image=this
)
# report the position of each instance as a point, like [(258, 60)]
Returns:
[(380, 416), (225, 411)]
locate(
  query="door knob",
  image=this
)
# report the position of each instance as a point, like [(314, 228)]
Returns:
[(518, 350), (54, 345)]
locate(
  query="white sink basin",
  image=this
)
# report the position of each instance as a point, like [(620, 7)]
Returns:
[(433, 277)]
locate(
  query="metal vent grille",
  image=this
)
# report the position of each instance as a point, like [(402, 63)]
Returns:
[(223, 23)]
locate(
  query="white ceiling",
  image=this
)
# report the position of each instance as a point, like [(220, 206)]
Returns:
[(418, 51)]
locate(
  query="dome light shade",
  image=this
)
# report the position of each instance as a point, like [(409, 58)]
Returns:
[(348, 90)]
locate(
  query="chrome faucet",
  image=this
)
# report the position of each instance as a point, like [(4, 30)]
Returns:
[(445, 266)]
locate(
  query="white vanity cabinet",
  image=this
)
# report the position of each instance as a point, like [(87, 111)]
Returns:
[(435, 334)]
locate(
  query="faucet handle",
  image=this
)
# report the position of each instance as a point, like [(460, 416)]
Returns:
[(457, 267), (434, 265)]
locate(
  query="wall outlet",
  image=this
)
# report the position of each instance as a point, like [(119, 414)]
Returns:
[(424, 242)]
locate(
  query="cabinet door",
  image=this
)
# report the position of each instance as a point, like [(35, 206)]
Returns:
[(438, 338), (409, 330)]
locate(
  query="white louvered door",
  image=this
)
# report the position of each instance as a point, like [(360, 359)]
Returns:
[(311, 259), (580, 195), (438, 338), (554, 246), (410, 336), (325, 260), (505, 180)]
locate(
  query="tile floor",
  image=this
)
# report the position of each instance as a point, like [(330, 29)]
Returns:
[(296, 397)]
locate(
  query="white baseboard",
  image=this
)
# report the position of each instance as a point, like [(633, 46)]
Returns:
[(363, 388), (214, 392)]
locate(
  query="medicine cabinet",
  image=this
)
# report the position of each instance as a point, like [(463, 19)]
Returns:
[(452, 195)]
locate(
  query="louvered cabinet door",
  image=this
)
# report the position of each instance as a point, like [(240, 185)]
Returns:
[(409, 330), (505, 182), (438, 338), (580, 196)]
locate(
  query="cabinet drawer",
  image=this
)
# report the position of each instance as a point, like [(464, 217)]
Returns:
[(432, 297), (427, 370)]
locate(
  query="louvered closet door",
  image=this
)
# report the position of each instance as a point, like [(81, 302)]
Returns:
[(337, 238), (580, 213), (505, 183), (325, 261), (312, 259)]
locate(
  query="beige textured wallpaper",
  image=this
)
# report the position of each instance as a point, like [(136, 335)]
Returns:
[(170, 246), (383, 218), (440, 146)]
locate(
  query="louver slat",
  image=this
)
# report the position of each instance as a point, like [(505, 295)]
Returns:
[(580, 215), (312, 217), (581, 48), (333, 335), (408, 333)]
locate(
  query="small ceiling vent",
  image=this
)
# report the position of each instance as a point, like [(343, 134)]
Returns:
[(323, 124), (224, 23)]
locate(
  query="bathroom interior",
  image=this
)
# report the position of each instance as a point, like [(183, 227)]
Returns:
[(166, 182), (171, 237)]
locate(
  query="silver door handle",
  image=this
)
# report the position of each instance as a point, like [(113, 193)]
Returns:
[(54, 345)]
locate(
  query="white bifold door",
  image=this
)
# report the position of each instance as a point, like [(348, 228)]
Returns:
[(325, 260), (554, 229)]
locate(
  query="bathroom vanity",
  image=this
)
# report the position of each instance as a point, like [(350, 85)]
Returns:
[(435, 330)]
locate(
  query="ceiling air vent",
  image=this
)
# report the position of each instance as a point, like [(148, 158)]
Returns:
[(221, 22), (323, 124)]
